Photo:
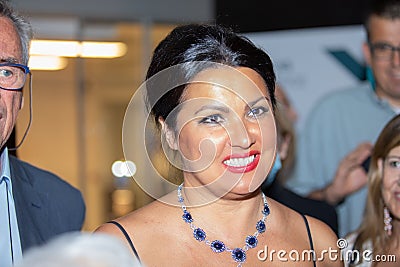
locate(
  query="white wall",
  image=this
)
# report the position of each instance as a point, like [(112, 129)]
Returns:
[(305, 68)]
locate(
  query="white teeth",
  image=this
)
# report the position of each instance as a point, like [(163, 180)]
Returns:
[(240, 162)]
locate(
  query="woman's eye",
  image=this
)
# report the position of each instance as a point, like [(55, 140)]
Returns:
[(394, 164), (212, 119), (257, 112)]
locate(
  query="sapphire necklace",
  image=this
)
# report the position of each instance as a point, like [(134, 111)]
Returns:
[(238, 254)]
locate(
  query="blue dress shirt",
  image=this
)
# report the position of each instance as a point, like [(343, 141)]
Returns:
[(10, 244), (337, 125)]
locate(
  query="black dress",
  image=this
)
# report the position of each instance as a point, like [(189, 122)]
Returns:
[(314, 208)]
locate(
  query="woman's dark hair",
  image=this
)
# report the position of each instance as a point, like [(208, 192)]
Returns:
[(187, 46)]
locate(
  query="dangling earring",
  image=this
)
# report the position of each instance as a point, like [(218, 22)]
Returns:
[(387, 220)]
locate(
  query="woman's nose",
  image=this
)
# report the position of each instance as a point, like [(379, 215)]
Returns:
[(241, 134)]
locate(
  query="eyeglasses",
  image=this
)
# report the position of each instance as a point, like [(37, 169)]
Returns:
[(13, 76), (383, 51)]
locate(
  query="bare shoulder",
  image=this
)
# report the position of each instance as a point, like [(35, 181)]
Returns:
[(135, 220), (290, 230), (140, 223), (321, 232), (109, 228), (325, 243), (140, 228)]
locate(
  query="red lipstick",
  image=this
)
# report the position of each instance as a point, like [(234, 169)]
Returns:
[(241, 163)]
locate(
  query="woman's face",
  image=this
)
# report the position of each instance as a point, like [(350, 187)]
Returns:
[(226, 131), (391, 181)]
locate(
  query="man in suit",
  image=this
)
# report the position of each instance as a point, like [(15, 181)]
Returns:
[(35, 205)]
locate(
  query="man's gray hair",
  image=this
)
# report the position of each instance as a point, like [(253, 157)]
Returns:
[(23, 27)]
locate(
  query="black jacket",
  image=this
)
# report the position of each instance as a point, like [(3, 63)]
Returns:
[(45, 204)]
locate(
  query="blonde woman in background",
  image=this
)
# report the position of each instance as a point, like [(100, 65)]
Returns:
[(380, 229)]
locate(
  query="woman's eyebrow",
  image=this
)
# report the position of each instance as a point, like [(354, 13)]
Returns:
[(252, 103), (223, 109)]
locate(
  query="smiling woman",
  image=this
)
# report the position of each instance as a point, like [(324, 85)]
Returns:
[(218, 130), (214, 105), (379, 230)]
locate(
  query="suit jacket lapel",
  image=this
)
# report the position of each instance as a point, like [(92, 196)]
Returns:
[(29, 204)]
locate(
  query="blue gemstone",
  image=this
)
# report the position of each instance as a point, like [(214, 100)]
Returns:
[(266, 210), (251, 241), (199, 234), (217, 246), (239, 255), (260, 227), (187, 217)]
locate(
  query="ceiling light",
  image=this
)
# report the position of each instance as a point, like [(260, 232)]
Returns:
[(102, 49), (54, 48), (47, 63), (77, 49)]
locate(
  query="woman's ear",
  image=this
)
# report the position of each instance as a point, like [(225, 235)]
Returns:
[(169, 134), (284, 146)]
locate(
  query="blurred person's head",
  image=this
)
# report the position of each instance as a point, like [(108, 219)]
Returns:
[(80, 250), (285, 118), (286, 142), (382, 51), (282, 98)]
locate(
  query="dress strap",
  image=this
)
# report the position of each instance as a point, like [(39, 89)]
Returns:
[(127, 237), (309, 236)]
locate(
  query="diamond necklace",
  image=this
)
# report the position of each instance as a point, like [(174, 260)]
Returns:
[(238, 254)]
